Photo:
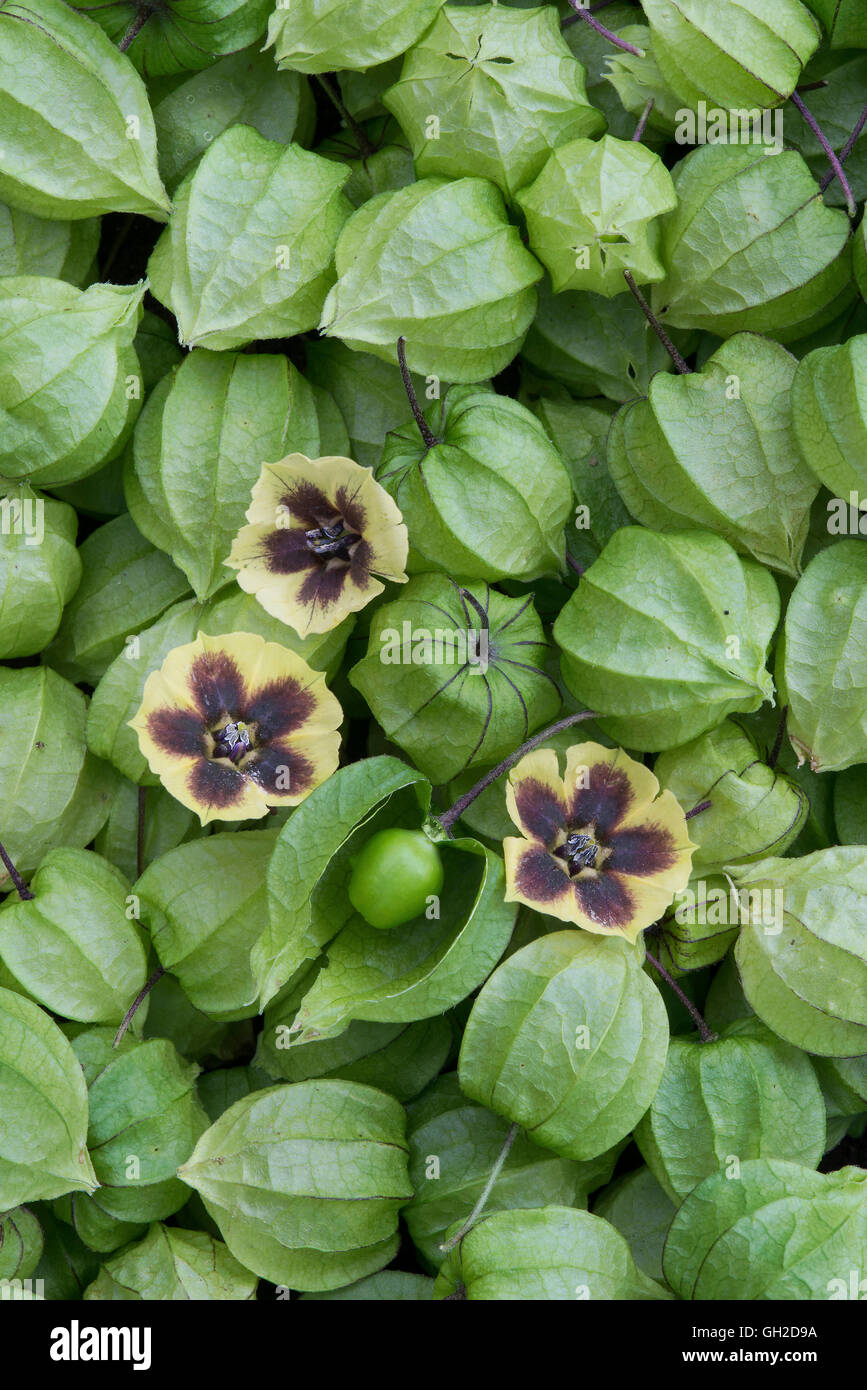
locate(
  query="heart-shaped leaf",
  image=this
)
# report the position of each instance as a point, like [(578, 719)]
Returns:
[(567, 1039)]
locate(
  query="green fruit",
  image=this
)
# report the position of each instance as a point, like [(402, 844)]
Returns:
[(393, 876)]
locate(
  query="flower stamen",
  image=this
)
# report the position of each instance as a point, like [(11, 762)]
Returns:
[(334, 539), (233, 741)]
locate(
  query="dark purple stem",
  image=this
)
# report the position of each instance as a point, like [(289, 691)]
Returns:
[(846, 150), (424, 428), (697, 810), (644, 118), (136, 1005), (21, 888), (679, 363), (365, 148), (837, 167), (582, 13), (704, 1031), (448, 818), (135, 28), (574, 565), (778, 741)]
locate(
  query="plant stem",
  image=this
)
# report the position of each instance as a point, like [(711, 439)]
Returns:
[(697, 810), (706, 1034), (574, 565), (642, 123), (778, 741), (448, 818), (135, 28), (679, 363), (140, 829), (364, 146), (846, 150), (582, 13), (485, 1193), (21, 888), (136, 1005), (424, 428), (820, 135)]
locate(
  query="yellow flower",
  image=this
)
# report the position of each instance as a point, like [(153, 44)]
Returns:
[(319, 529), (602, 847), (232, 725)]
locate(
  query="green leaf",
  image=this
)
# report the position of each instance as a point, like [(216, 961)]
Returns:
[(145, 1119), (97, 1229), (21, 1243), (547, 1254), (300, 870), (119, 694), (731, 53), (836, 108), (822, 660), (67, 1266), (249, 248), (398, 1058), (40, 568), (204, 937), (850, 805), (429, 966), (33, 246), (74, 946), (42, 1141), (221, 1088), (505, 89), (593, 345), (567, 1039), (181, 34), (199, 448), (318, 1207), (751, 245), (745, 1095), (52, 793), (172, 1017), (166, 824), (637, 1207), (92, 149), (668, 634), (754, 811), (579, 432), (174, 1265), (591, 214), (126, 585), (490, 448), (389, 1286), (438, 263), (829, 413), (716, 449), (241, 89), (453, 1146), (435, 689), (700, 926), (844, 20), (377, 156), (70, 388), (325, 35), (368, 392), (777, 1231), (806, 976)]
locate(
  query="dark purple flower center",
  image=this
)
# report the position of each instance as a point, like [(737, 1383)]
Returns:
[(233, 741), (579, 851), (332, 540)]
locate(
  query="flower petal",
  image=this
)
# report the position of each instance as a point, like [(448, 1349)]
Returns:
[(535, 877), (535, 798), (179, 732), (313, 593), (605, 785)]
